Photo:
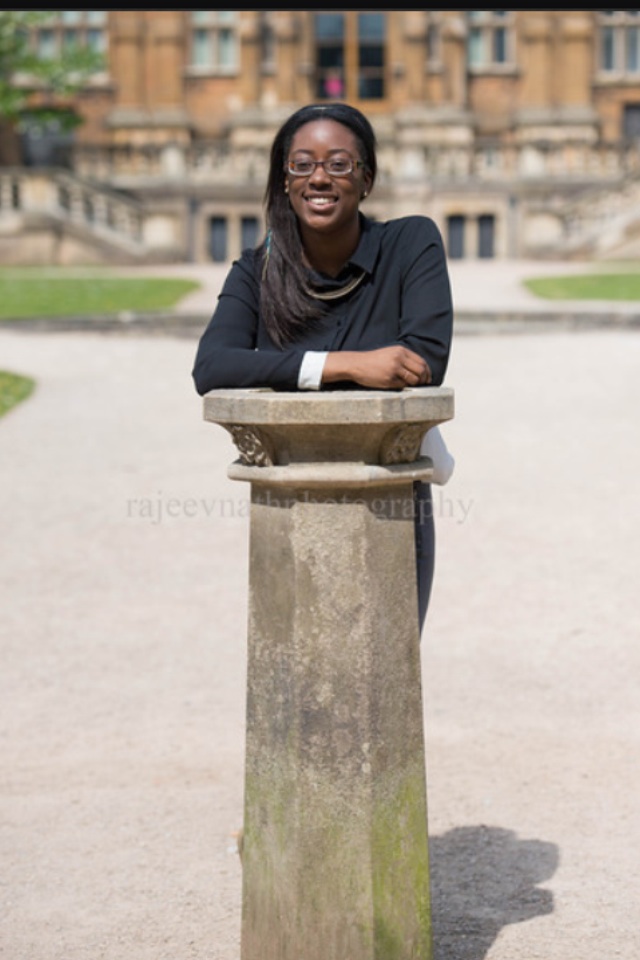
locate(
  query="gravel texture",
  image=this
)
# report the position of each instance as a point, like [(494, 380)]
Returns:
[(123, 576)]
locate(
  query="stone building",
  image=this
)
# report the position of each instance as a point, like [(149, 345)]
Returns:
[(518, 131)]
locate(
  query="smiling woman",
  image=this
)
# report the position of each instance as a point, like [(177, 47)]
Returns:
[(331, 299)]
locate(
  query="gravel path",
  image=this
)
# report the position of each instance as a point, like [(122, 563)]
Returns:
[(123, 576)]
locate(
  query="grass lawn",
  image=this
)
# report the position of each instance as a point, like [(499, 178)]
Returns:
[(13, 389), (591, 286), (38, 292)]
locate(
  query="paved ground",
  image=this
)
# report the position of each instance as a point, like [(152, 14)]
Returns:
[(122, 588)]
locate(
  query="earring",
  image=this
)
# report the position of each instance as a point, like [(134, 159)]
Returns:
[(364, 194), (286, 188)]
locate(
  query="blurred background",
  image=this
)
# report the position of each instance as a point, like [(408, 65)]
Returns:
[(142, 136), (134, 147)]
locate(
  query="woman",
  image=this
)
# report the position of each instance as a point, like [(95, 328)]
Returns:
[(332, 299)]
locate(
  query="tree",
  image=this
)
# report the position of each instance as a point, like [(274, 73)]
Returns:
[(24, 75)]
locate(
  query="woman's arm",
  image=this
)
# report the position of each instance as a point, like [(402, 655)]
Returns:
[(423, 330), (227, 354), (388, 368), (426, 313)]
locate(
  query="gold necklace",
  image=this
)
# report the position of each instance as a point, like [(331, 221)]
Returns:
[(336, 294)]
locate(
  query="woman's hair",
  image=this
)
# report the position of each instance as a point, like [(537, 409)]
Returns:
[(285, 304)]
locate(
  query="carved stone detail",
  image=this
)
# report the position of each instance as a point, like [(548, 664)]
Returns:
[(253, 446), (402, 444)]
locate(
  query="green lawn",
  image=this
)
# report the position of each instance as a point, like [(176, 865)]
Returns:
[(39, 292), (591, 286), (13, 389)]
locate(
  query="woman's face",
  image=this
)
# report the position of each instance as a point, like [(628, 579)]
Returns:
[(322, 202)]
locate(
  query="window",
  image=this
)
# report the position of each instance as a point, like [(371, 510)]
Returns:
[(486, 235), (350, 55), (214, 40), (631, 121), (71, 28), (490, 39), (218, 239), (330, 55), (619, 40), (455, 236), (371, 29), (249, 228)]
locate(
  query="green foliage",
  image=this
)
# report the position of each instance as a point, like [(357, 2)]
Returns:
[(61, 76), (33, 292), (588, 286), (13, 389)]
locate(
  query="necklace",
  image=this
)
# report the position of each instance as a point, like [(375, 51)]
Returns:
[(340, 292)]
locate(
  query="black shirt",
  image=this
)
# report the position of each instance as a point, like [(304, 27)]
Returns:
[(404, 298)]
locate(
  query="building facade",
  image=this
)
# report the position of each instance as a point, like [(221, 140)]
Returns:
[(518, 131)]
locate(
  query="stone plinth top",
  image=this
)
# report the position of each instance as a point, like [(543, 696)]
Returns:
[(331, 406), (272, 428)]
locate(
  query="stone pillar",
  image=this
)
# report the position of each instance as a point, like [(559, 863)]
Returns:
[(536, 60), (335, 850)]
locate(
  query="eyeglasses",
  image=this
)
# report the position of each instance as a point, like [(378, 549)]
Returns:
[(334, 166)]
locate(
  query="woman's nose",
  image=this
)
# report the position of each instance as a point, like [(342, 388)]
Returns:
[(319, 175)]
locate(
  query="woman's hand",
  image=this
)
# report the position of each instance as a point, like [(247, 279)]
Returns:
[(388, 368)]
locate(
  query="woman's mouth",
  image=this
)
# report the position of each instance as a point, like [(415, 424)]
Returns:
[(320, 202)]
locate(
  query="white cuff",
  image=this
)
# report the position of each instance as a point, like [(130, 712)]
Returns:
[(433, 446), (310, 376)]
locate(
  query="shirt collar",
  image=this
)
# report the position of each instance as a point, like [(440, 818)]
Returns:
[(364, 257), (366, 253)]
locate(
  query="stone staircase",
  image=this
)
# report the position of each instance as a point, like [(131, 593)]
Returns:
[(603, 222), (62, 218)]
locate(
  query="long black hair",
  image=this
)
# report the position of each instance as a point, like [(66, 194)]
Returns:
[(285, 305)]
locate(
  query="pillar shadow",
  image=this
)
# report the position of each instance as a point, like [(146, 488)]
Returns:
[(483, 878)]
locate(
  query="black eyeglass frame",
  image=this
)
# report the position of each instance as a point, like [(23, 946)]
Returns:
[(353, 165)]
